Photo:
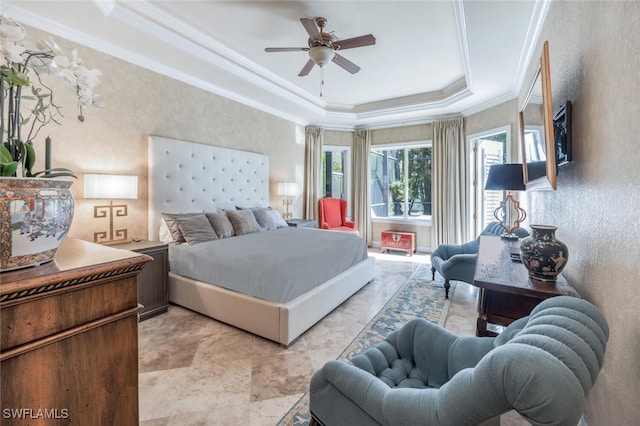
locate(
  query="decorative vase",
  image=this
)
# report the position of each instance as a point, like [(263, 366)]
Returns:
[(543, 254), (35, 216)]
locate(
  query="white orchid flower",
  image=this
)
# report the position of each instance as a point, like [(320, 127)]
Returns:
[(12, 32), (11, 53), (86, 77), (98, 101), (49, 45), (61, 61), (23, 62)]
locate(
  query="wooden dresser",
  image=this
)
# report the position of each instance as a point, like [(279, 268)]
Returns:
[(506, 290), (69, 338)]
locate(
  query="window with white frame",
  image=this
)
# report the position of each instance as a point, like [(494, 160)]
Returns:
[(401, 181), (336, 172), (487, 148)]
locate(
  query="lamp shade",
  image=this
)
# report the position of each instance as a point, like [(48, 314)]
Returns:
[(288, 189), (112, 187), (505, 177)]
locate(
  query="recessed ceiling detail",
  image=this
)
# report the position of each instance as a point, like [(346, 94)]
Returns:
[(427, 59)]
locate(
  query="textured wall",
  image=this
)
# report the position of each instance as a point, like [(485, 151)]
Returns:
[(498, 116), (594, 63), (139, 103)]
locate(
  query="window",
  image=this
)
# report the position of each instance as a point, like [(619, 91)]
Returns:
[(401, 182), (487, 148), (335, 172)]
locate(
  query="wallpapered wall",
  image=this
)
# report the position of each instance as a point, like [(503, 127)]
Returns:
[(139, 102), (595, 206), (591, 64)]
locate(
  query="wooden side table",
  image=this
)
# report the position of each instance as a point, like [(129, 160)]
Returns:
[(398, 240), (153, 281), (302, 223), (506, 290), (69, 339)]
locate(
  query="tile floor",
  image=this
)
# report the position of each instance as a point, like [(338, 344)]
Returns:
[(197, 371)]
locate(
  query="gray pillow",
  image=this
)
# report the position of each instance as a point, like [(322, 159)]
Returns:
[(170, 220), (221, 224), (269, 219), (243, 221), (196, 229)]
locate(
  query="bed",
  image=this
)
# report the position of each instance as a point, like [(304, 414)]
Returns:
[(187, 177)]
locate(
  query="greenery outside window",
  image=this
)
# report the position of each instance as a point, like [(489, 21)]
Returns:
[(401, 182), (335, 172)]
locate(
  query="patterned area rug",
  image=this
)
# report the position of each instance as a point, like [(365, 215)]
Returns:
[(418, 297)]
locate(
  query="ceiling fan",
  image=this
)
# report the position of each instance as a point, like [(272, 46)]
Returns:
[(323, 47)]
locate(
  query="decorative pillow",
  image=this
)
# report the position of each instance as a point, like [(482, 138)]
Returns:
[(221, 224), (196, 229), (278, 219), (253, 208), (164, 234), (269, 219), (243, 221), (170, 220)]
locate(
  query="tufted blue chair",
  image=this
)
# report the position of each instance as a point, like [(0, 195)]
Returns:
[(457, 262), (543, 366)]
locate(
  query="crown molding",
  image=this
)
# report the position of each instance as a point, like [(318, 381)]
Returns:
[(540, 9), (290, 103)]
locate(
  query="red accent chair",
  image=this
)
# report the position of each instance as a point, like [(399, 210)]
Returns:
[(332, 215)]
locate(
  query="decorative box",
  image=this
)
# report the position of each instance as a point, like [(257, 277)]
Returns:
[(398, 240)]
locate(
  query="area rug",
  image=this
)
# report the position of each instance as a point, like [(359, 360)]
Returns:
[(418, 297)]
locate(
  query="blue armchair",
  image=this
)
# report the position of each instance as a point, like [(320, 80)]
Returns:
[(543, 366), (457, 262)]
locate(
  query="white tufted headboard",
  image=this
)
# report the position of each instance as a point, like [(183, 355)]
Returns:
[(189, 177)]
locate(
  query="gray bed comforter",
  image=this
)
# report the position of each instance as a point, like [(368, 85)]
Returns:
[(277, 265)]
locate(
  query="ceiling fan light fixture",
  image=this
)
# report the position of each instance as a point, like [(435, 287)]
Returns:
[(321, 55)]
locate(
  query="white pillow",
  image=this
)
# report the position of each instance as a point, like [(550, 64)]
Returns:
[(164, 233)]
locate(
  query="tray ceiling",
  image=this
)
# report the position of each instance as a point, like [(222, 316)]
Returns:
[(431, 59)]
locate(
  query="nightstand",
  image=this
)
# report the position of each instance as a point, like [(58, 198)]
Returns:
[(302, 223), (153, 281)]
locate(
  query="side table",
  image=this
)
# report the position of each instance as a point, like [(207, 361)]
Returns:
[(153, 281), (506, 292), (302, 223)]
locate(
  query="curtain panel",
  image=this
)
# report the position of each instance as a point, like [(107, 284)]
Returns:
[(313, 170), (450, 183), (361, 183)]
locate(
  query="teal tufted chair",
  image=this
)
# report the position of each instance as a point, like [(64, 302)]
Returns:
[(543, 366), (457, 262)]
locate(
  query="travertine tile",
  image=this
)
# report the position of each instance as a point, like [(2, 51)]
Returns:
[(198, 371)]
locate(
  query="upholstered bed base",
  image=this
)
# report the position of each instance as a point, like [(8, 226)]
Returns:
[(192, 177), (282, 323)]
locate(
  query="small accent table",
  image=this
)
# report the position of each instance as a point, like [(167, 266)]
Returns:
[(153, 281), (302, 223), (398, 240), (506, 290)]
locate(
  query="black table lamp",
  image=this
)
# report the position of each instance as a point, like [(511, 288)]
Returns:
[(507, 177)]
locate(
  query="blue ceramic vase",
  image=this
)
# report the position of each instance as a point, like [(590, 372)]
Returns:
[(543, 254)]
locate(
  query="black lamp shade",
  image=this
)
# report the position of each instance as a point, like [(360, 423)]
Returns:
[(505, 177)]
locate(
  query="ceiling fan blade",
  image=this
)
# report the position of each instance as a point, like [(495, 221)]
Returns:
[(350, 43), (311, 27), (345, 63), (307, 68), (285, 49)]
